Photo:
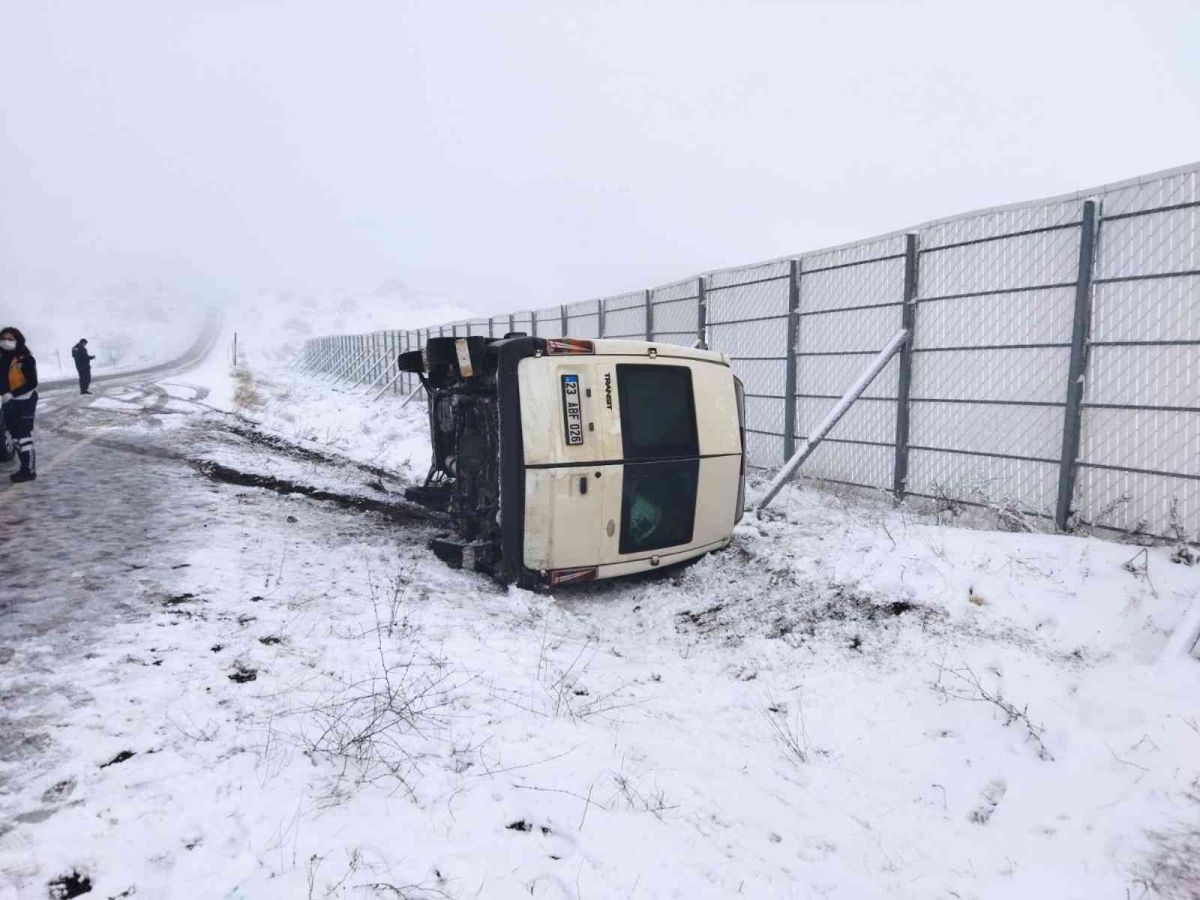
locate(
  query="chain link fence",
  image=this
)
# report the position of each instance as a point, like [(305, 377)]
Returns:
[(1053, 368)]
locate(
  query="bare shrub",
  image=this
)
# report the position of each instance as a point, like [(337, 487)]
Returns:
[(563, 690), (1138, 566), (1010, 516), (1173, 869), (945, 503), (1184, 552), (1102, 516), (631, 798), (371, 724), (962, 683), (792, 736), (246, 395)]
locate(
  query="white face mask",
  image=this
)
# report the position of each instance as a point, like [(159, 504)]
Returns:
[(8, 345)]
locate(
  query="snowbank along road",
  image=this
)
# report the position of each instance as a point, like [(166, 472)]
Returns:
[(229, 667)]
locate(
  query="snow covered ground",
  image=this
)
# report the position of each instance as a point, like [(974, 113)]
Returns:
[(242, 690)]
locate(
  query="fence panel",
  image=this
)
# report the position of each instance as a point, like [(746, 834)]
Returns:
[(583, 319), (625, 316), (851, 303), (549, 322), (1140, 439), (675, 312), (523, 322), (991, 355), (747, 319)]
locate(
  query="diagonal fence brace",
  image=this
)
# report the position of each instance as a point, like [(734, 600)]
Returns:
[(835, 415)]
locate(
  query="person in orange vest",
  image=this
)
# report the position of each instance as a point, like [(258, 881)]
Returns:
[(18, 396)]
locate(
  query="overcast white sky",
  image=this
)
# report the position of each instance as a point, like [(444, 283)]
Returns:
[(512, 154)]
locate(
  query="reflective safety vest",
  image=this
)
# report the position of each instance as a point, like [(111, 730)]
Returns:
[(16, 375)]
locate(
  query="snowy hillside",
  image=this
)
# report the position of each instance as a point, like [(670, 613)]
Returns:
[(273, 327)]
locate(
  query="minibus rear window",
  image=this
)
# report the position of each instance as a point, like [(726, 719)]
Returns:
[(658, 412), (658, 504)]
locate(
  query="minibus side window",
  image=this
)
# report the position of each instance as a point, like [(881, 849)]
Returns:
[(658, 504), (658, 412)]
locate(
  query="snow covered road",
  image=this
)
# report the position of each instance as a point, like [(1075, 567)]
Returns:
[(230, 668)]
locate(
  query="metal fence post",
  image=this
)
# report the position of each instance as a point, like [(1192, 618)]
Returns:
[(908, 315), (512, 323), (563, 309), (789, 381), (649, 316), (599, 318), (386, 355), (701, 313), (533, 321), (1073, 416), (407, 343)]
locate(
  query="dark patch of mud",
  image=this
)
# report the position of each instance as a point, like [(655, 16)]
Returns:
[(70, 885), (254, 436), (242, 673), (400, 512), (119, 758)]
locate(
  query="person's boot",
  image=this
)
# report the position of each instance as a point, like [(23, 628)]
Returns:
[(27, 471)]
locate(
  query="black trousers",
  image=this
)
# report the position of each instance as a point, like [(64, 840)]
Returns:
[(18, 417), (18, 420), (85, 379)]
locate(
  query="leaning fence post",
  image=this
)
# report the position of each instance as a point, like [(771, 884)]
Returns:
[(817, 434), (1073, 416), (649, 316), (789, 381), (908, 319)]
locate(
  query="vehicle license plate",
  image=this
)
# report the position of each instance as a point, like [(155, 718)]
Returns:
[(572, 411)]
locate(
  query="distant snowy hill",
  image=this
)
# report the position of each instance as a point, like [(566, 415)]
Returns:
[(277, 325), (127, 327)]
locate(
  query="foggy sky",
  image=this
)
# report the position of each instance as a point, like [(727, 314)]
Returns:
[(520, 154)]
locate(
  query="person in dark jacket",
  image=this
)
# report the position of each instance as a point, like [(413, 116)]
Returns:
[(18, 396), (83, 365)]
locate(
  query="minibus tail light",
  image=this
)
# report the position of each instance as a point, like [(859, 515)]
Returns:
[(573, 576), (568, 346)]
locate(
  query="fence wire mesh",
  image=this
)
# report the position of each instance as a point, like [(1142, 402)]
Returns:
[(583, 319), (549, 322), (850, 306), (748, 316), (1140, 441), (625, 316), (1006, 304), (994, 317), (675, 313)]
